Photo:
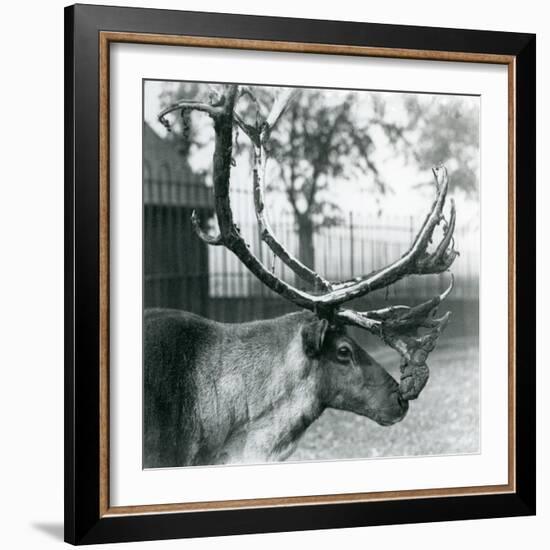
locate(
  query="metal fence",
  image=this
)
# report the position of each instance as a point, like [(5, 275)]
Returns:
[(182, 272)]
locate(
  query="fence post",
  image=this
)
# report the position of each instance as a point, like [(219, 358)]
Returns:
[(260, 257), (351, 247)]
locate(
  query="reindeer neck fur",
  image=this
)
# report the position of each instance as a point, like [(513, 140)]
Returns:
[(280, 385)]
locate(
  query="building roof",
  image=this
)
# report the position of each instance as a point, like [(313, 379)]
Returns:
[(167, 176)]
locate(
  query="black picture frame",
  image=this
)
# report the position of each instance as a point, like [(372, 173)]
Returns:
[(84, 522)]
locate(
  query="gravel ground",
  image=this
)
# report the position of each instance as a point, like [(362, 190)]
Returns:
[(444, 419)]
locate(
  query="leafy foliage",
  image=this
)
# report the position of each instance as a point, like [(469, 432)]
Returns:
[(328, 136), (325, 136), (447, 133)]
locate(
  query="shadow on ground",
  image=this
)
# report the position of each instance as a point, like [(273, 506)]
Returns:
[(53, 530)]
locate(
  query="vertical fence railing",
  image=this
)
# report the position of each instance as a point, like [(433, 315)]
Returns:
[(180, 271), (359, 244)]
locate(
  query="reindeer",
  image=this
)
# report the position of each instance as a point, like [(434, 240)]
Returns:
[(219, 393)]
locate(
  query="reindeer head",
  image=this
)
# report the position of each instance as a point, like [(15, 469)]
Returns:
[(352, 379), (349, 378)]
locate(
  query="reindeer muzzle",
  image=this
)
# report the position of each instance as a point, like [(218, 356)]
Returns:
[(394, 410)]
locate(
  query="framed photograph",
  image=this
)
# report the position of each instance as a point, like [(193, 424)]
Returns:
[(300, 274)]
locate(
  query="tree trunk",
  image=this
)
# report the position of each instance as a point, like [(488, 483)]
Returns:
[(306, 252)]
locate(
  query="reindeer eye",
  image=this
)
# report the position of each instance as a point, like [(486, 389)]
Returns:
[(343, 353)]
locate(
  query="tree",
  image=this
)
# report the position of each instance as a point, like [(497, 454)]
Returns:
[(321, 136), (325, 136), (448, 133)]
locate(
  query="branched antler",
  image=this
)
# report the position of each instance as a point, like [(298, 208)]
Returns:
[(259, 137), (398, 326)]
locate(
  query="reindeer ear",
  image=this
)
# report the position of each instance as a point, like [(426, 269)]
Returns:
[(313, 336)]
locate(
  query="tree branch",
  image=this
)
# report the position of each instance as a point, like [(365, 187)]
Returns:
[(279, 106)]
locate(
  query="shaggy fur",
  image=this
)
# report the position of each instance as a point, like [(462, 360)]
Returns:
[(219, 393)]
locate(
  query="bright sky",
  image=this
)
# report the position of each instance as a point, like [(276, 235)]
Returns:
[(405, 200)]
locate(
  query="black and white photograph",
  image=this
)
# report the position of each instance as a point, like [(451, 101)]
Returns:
[(275, 275), (311, 262)]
